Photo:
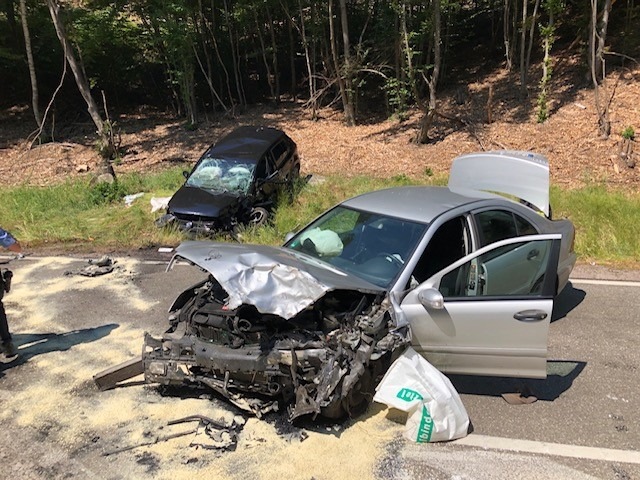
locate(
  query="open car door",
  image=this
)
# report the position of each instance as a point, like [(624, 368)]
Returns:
[(489, 312)]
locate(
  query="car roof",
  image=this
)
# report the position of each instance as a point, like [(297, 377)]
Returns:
[(248, 143), (420, 204)]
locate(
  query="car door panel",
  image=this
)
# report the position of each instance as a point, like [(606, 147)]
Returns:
[(497, 331)]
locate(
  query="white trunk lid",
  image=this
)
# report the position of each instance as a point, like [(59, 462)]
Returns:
[(522, 174)]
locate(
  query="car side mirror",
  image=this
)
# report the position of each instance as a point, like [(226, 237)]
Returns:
[(185, 174), (431, 298)]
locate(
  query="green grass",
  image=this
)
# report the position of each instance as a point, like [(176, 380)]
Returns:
[(607, 223), (79, 216)]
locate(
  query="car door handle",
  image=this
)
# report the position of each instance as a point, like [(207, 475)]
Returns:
[(533, 254), (530, 315)]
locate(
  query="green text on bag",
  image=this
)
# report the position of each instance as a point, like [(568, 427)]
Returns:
[(426, 427), (408, 395)]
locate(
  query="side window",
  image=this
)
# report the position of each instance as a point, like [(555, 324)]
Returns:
[(495, 225), (524, 227), (279, 153), (271, 165), (265, 166), (261, 168), (517, 269), (448, 244)]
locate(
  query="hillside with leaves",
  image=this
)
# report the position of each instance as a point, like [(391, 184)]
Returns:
[(363, 86)]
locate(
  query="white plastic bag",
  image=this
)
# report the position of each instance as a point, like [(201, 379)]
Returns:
[(413, 385), (158, 203), (129, 199)]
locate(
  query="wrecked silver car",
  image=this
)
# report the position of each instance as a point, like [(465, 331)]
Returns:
[(465, 275), (271, 327)]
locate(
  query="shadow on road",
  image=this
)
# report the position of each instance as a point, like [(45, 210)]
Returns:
[(569, 298), (30, 345), (560, 377)]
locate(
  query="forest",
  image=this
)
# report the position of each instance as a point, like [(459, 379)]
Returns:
[(206, 58)]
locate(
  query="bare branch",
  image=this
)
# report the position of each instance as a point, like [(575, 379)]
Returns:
[(53, 97)]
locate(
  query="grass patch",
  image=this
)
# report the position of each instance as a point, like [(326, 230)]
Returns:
[(607, 223), (75, 215)]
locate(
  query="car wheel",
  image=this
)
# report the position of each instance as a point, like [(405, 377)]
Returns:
[(361, 395), (354, 403), (258, 216)]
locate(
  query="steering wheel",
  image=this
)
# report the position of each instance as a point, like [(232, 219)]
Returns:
[(392, 258)]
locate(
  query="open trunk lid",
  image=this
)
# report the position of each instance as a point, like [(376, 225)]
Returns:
[(522, 174)]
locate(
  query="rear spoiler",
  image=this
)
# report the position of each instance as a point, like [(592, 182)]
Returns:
[(521, 174)]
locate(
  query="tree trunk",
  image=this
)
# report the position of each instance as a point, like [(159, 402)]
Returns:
[(523, 41), (274, 56), (227, 78), (263, 51), (602, 36), (506, 21), (334, 55), (349, 114), (106, 145), (292, 60), (30, 63), (208, 72), (234, 57), (187, 87), (207, 76), (596, 62), (427, 120), (543, 108), (12, 37), (307, 56), (532, 29)]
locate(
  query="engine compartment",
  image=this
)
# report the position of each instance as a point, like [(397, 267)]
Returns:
[(324, 360)]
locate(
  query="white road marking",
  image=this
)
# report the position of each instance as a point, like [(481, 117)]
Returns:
[(615, 283), (556, 449)]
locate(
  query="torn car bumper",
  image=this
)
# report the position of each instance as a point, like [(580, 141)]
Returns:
[(309, 376)]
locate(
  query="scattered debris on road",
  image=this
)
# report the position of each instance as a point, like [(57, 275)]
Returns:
[(209, 434), (522, 396), (110, 377), (95, 268)]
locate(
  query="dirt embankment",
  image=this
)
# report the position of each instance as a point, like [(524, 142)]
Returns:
[(377, 146)]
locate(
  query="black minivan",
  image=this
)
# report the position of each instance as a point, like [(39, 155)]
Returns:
[(236, 181)]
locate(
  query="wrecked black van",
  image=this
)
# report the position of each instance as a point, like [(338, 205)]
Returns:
[(236, 181)]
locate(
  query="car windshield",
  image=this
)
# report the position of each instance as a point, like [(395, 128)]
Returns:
[(371, 246), (222, 175)]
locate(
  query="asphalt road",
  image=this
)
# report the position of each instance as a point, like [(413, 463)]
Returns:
[(584, 425)]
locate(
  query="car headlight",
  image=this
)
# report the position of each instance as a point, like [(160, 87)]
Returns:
[(157, 368)]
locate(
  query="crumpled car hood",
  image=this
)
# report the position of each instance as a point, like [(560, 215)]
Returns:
[(275, 280)]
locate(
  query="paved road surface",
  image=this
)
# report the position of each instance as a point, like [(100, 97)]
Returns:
[(55, 424)]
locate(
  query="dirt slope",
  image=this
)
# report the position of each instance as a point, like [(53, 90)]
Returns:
[(377, 147)]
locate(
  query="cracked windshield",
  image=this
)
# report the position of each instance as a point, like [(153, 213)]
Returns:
[(222, 175), (371, 246)]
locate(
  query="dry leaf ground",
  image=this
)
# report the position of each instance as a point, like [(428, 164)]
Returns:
[(378, 146)]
